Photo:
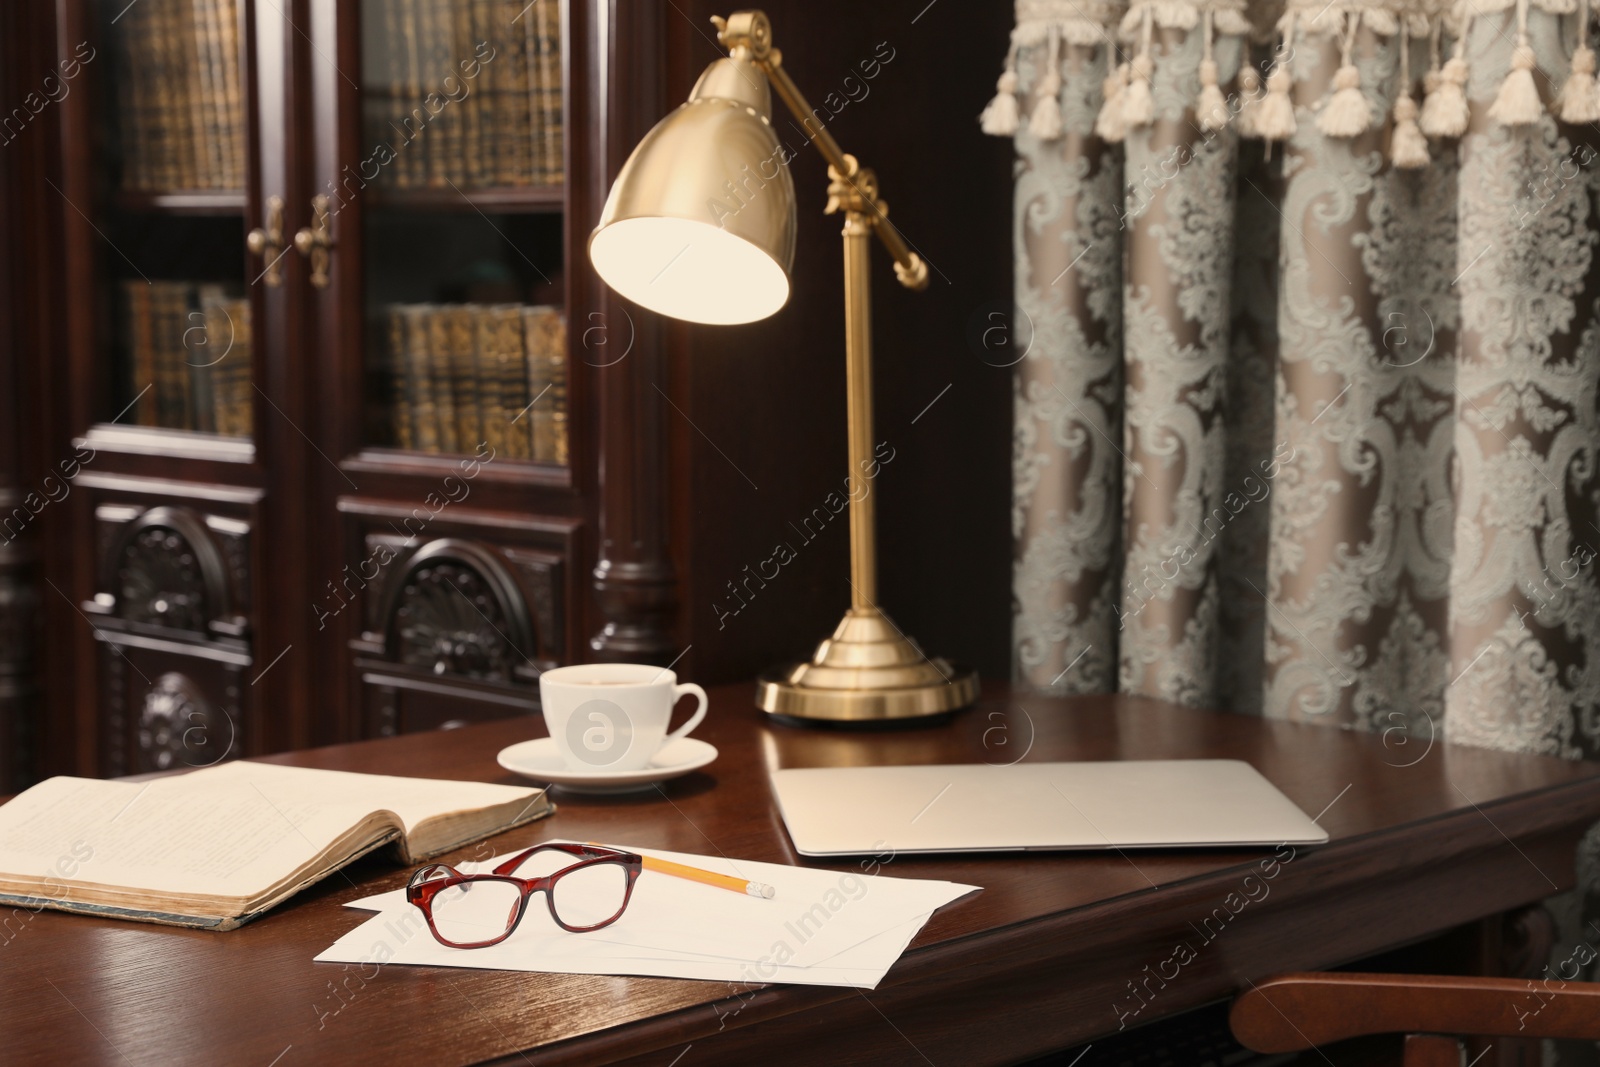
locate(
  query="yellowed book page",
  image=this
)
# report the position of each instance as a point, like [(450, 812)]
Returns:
[(168, 836), (412, 799)]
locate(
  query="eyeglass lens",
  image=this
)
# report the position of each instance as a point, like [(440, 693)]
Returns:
[(474, 912), (589, 896)]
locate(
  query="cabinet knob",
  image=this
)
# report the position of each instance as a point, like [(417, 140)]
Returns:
[(316, 241), (267, 242)]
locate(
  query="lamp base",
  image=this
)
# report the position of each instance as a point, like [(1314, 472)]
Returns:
[(868, 671)]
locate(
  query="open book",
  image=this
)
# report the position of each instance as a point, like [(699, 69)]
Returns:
[(217, 847)]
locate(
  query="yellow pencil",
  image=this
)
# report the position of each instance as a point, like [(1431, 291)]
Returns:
[(695, 874)]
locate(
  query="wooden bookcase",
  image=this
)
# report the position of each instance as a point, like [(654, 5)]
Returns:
[(191, 593), (313, 581)]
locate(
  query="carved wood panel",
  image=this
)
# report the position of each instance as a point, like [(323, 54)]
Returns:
[(170, 618), (178, 725), (454, 616), (538, 555), (455, 628), (175, 567), (158, 581), (167, 711)]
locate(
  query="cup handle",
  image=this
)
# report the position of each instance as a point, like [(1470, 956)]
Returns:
[(699, 713)]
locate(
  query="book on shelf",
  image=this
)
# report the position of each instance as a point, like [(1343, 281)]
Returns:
[(423, 413), (552, 128), (544, 332), (189, 356), (466, 93), (441, 149), (481, 167), (145, 55), (174, 397), (225, 110), (461, 332), (200, 365), (187, 46), (468, 115), (228, 346), (398, 28), (401, 402), (514, 120), (141, 341), (501, 384), (441, 368), (180, 103), (461, 375), (217, 847)]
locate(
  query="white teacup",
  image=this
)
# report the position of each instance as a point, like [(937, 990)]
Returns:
[(613, 716)]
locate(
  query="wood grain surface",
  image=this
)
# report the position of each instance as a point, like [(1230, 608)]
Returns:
[(1057, 949), (1294, 1012)]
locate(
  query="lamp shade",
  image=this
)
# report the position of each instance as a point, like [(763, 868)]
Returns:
[(700, 223)]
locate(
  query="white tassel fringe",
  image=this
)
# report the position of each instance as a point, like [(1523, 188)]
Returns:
[(1045, 122), (1444, 112), (1138, 109), (1347, 113), (1247, 121), (1580, 99), (1407, 148), (1275, 120), (999, 119), (1108, 125), (1518, 101), (1211, 110)]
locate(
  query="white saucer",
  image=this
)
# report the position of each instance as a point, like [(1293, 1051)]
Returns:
[(541, 761)]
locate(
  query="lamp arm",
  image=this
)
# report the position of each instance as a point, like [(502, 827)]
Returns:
[(909, 267), (853, 187)]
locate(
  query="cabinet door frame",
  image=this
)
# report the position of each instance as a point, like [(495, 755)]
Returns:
[(172, 468), (334, 158)]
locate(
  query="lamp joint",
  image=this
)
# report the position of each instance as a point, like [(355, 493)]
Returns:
[(854, 190), (750, 30), (914, 274)]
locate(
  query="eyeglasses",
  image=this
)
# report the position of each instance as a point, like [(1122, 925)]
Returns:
[(479, 910)]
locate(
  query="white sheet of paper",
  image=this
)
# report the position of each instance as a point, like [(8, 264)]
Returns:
[(382, 939), (820, 928)]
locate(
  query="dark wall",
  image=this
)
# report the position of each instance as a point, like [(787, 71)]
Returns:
[(29, 208), (759, 441)]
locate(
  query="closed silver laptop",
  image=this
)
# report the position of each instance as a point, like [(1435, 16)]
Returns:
[(981, 808)]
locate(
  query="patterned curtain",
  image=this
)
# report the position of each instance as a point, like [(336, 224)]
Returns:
[(1308, 422)]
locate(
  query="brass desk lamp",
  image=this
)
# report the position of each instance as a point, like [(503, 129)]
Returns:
[(700, 225)]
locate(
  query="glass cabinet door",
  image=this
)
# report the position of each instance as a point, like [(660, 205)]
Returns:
[(174, 331), (171, 164), (460, 174), (439, 299)]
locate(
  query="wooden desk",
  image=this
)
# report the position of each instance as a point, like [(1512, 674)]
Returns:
[(1056, 950)]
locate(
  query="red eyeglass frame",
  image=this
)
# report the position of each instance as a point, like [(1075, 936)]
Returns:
[(425, 885)]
